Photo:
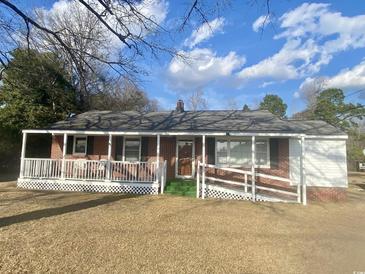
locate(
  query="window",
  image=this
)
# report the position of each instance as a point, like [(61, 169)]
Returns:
[(132, 150), (262, 152), (222, 152), (240, 153), (80, 145), (237, 152)]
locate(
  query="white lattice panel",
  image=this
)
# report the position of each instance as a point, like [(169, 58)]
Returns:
[(86, 186), (222, 194), (219, 192)]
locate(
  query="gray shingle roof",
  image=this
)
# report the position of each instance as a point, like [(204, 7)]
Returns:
[(256, 121)]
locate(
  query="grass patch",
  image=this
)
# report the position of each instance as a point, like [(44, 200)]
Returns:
[(181, 187)]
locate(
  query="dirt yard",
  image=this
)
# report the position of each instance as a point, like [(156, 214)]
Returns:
[(81, 232)]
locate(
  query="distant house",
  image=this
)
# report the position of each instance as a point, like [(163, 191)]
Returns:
[(250, 155)]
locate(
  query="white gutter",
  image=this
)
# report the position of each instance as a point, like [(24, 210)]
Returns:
[(329, 137), (250, 134), (182, 133), (295, 135), (134, 133)]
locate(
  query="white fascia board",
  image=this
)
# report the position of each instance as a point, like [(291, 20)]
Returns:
[(131, 133), (168, 133), (261, 134), (294, 135), (186, 133), (328, 137)]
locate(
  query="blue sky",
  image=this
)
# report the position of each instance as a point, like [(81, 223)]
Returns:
[(233, 60)]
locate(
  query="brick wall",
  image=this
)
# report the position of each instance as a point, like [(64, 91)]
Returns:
[(168, 152), (282, 169), (56, 147), (100, 149), (325, 194)]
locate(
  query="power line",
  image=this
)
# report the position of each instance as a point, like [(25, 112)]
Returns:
[(317, 93), (354, 92)]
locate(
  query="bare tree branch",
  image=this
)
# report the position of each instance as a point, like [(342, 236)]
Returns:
[(122, 38), (268, 14), (186, 19), (3, 68), (197, 101), (29, 20)]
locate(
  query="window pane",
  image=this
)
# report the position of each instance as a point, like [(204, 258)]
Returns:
[(80, 145), (131, 156), (261, 152), (222, 152), (240, 152), (132, 150)]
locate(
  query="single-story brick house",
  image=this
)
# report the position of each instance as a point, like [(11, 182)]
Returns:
[(232, 154)]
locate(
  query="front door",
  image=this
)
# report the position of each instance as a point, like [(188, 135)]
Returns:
[(185, 152)]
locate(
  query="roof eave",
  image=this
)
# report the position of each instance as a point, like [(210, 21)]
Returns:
[(177, 133)]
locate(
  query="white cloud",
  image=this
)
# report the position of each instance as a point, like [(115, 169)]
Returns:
[(202, 67), (261, 22), (296, 95), (204, 32), (353, 78), (302, 20), (317, 20), (313, 35), (265, 84), (156, 10), (346, 79), (294, 60), (309, 88)]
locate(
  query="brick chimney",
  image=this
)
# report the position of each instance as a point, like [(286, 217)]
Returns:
[(180, 106)]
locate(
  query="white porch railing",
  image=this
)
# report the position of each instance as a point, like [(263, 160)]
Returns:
[(94, 170), (134, 172), (246, 182), (85, 170), (42, 168)]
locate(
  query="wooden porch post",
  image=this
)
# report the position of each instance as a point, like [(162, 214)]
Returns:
[(108, 171), (203, 169), (198, 181), (299, 184), (63, 169), (253, 175), (163, 176), (22, 156), (158, 158), (302, 171)]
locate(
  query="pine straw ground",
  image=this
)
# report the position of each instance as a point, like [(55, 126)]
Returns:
[(99, 233)]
